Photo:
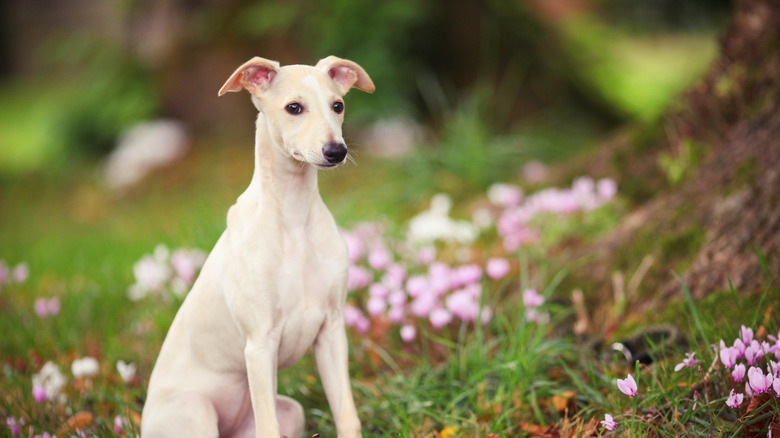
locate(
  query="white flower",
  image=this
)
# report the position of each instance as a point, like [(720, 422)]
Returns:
[(85, 367), (51, 379), (505, 195), (435, 224), (126, 370), (151, 274)]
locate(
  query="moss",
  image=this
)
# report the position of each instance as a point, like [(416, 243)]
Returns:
[(745, 173), (679, 167), (647, 136), (678, 250)]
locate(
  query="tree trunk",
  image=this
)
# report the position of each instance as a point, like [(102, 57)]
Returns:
[(718, 220)]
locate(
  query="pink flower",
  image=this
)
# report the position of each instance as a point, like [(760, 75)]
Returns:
[(606, 189), (687, 362), (416, 285), (753, 352), (379, 258), (497, 268), (463, 305), (738, 373), (534, 171), (20, 273), (39, 393), (532, 299), (358, 278), (408, 333), (426, 255), (376, 305), (775, 339), (355, 247), (608, 422), (505, 195), (534, 315), (465, 275), (397, 298), (14, 426), (734, 400), (396, 314), (423, 305), (440, 317), (728, 356), (186, 263), (47, 307), (740, 347), (776, 386), (395, 276), (118, 425), (440, 277), (627, 386), (486, 315), (773, 368), (746, 333), (353, 317), (759, 382), (748, 389), (378, 290)]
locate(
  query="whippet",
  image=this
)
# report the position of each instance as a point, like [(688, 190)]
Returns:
[(275, 282)]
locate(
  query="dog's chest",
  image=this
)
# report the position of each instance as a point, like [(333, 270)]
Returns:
[(312, 276)]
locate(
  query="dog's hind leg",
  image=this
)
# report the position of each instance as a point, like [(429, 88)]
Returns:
[(289, 414), (178, 415), (291, 417)]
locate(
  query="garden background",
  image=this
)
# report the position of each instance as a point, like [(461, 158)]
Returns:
[(563, 215)]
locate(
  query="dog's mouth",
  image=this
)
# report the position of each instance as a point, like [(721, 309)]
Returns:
[(324, 165)]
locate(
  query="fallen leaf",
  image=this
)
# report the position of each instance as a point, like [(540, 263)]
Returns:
[(79, 420), (536, 430), (561, 402)]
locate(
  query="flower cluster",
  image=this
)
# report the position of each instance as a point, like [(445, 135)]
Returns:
[(403, 291), (165, 271), (533, 302), (49, 383), (514, 223), (752, 352), (404, 281), (13, 274)]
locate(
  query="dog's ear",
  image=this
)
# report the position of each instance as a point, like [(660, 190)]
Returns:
[(346, 74), (255, 75)]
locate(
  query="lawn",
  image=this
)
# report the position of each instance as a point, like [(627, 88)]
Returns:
[(459, 323)]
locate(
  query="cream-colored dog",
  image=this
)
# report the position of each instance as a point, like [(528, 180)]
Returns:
[(275, 282)]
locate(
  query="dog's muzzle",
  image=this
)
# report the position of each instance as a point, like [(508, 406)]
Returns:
[(334, 153)]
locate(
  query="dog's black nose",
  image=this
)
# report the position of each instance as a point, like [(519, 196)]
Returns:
[(334, 152)]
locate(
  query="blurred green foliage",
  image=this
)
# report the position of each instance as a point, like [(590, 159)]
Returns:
[(381, 36), (113, 93), (500, 70)]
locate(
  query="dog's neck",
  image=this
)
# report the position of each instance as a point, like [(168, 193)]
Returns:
[(280, 181)]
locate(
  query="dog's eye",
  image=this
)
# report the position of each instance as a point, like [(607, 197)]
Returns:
[(338, 107), (294, 108)]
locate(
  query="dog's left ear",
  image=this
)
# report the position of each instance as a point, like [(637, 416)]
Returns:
[(346, 74)]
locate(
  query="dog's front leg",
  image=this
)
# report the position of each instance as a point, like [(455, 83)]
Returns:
[(330, 350), (261, 365)]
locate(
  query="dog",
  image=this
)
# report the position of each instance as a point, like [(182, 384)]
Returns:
[(275, 282)]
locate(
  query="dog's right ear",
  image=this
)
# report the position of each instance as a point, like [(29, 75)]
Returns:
[(255, 75)]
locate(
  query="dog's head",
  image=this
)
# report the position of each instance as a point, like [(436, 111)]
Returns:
[(303, 105)]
